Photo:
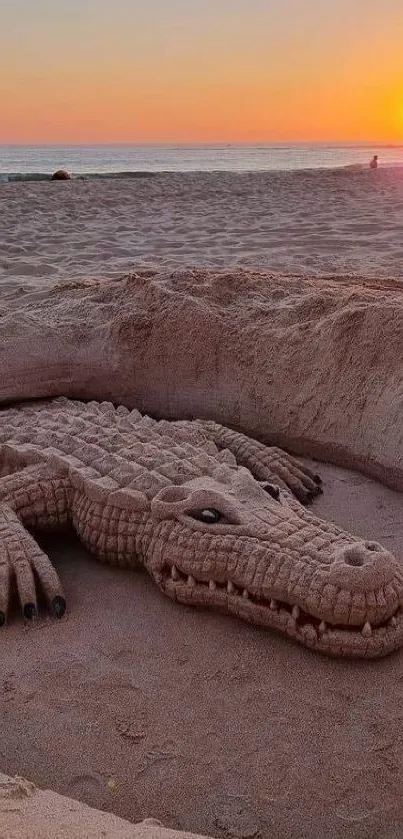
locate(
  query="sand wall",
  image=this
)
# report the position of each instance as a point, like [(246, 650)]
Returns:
[(312, 365)]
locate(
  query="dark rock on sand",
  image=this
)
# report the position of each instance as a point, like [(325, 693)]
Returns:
[(61, 175)]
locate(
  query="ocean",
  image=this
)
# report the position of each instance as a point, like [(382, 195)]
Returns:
[(125, 161)]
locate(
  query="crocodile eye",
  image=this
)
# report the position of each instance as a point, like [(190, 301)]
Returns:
[(208, 516), (272, 490)]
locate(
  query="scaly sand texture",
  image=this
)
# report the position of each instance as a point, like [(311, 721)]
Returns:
[(161, 495)]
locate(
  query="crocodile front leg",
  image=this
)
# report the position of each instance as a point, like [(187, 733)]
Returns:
[(267, 463), (37, 498)]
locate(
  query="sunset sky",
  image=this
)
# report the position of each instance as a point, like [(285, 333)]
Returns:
[(84, 71)]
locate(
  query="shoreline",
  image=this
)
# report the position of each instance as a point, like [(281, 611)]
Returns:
[(127, 174)]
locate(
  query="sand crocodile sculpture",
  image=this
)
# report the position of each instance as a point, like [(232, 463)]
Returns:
[(214, 516)]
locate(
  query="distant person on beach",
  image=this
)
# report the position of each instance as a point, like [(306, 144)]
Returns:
[(374, 162)]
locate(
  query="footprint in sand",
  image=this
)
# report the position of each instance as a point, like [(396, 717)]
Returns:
[(234, 816), (85, 786), (370, 793), (131, 726)]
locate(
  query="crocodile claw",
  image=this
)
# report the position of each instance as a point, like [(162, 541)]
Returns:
[(30, 611), (312, 494), (58, 606)]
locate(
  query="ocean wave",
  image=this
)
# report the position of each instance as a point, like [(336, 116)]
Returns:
[(350, 168)]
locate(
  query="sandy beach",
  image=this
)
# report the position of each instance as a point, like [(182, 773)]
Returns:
[(314, 222), (135, 704)]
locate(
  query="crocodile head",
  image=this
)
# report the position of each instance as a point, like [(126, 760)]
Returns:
[(224, 541)]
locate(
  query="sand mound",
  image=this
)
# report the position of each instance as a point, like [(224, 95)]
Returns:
[(310, 365), (29, 813)]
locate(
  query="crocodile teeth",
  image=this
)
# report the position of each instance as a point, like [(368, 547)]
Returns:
[(245, 594), (273, 605), (309, 632), (212, 585), (175, 573), (230, 587), (366, 630), (295, 612), (191, 581), (322, 627), (393, 621)]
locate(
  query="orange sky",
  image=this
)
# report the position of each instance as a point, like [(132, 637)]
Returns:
[(176, 71)]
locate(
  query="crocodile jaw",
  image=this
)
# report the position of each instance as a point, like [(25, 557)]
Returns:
[(274, 564), (324, 599), (367, 641)]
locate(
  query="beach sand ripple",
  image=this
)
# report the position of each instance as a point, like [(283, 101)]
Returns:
[(320, 222)]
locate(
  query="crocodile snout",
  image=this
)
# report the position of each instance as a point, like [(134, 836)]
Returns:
[(369, 581), (363, 566)]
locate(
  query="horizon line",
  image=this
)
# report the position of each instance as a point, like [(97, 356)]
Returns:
[(212, 143)]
